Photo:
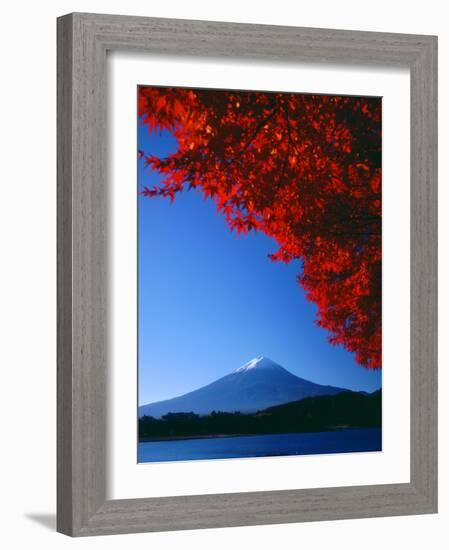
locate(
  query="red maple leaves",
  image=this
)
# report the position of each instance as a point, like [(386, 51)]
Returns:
[(305, 170)]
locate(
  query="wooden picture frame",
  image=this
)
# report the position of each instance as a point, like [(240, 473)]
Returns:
[(83, 40)]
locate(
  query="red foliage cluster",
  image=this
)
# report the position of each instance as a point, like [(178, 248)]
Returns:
[(305, 170)]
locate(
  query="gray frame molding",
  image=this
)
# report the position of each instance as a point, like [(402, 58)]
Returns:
[(83, 40)]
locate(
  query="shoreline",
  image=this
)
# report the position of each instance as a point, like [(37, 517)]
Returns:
[(187, 437), (224, 436)]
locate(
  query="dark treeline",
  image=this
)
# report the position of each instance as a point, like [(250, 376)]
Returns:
[(344, 410)]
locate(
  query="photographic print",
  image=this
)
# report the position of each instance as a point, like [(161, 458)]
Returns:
[(259, 274)]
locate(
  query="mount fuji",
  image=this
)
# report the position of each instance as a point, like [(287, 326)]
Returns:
[(257, 385)]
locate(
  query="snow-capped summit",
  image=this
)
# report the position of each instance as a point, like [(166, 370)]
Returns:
[(256, 385), (260, 362)]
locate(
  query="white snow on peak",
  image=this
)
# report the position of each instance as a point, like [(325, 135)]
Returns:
[(260, 361)]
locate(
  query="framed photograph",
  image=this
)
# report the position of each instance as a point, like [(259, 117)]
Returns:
[(247, 282)]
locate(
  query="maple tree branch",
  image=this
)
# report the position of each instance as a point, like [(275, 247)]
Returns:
[(287, 154), (254, 135)]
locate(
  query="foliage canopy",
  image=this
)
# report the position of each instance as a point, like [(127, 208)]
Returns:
[(303, 169)]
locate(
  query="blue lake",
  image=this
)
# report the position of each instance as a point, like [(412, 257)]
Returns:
[(341, 441)]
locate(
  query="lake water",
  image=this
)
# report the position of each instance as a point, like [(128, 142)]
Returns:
[(341, 441)]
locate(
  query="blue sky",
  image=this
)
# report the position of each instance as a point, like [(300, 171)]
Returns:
[(209, 300)]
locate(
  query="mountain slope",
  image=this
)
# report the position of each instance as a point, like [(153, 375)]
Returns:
[(258, 384)]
